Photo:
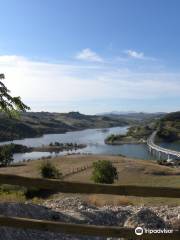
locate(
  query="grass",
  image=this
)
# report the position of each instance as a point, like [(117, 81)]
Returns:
[(11, 193), (130, 171)]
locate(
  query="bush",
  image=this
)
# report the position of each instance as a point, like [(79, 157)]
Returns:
[(6, 155), (48, 170), (104, 172)]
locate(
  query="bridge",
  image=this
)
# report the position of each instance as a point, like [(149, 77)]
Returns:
[(160, 150)]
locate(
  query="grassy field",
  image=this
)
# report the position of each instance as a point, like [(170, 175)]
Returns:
[(130, 171)]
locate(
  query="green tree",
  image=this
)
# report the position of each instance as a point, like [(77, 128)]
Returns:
[(12, 106), (6, 155), (104, 172), (48, 170), (8, 104)]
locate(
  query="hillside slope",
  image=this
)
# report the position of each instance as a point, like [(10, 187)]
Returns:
[(169, 127), (32, 124)]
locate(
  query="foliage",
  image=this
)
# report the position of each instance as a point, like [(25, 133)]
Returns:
[(10, 193), (140, 131), (104, 172), (48, 170), (8, 104), (16, 148), (174, 116), (6, 155)]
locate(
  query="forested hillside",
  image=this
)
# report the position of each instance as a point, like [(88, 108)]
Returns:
[(169, 127)]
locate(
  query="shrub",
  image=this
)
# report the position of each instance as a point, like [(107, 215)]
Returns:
[(48, 170), (104, 172)]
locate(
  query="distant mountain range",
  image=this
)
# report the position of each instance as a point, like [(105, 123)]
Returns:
[(135, 116), (130, 113)]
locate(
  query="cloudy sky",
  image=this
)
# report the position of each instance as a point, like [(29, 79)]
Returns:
[(92, 56)]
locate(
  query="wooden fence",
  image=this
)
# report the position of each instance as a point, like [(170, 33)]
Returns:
[(76, 187)]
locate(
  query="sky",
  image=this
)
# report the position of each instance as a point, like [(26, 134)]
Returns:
[(92, 56)]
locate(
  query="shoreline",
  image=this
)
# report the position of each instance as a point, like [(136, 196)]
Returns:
[(134, 141), (10, 140)]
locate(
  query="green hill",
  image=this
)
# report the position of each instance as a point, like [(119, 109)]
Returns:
[(169, 127)]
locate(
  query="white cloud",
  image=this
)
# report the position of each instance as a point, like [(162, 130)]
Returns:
[(50, 83), (88, 55), (134, 54)]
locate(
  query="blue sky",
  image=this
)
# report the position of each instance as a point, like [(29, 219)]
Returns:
[(92, 55)]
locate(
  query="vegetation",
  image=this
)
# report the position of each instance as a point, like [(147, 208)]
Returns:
[(135, 134), (114, 137), (104, 172), (11, 106), (8, 104), (168, 130), (140, 131), (169, 127), (7, 151), (16, 148), (6, 155), (48, 170), (131, 171), (64, 145), (10, 193)]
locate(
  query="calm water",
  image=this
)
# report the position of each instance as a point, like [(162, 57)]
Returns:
[(174, 146), (94, 138)]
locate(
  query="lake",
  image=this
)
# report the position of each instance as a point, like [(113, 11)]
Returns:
[(93, 138)]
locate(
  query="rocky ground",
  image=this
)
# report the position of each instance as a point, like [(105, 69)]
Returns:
[(74, 210)]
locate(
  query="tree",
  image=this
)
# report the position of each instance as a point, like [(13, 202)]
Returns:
[(6, 155), (104, 172), (48, 170), (12, 106), (8, 104)]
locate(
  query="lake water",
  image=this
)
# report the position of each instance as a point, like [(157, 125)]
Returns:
[(93, 138)]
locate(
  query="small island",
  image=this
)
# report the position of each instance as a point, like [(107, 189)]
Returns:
[(58, 147), (52, 147)]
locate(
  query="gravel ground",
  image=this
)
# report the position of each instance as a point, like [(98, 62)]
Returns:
[(74, 210)]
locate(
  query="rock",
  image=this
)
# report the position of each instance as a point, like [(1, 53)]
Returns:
[(176, 223), (145, 218), (122, 216), (75, 210), (36, 212)]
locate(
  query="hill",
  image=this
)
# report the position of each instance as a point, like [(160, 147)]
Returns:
[(169, 127), (135, 116), (33, 124)]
